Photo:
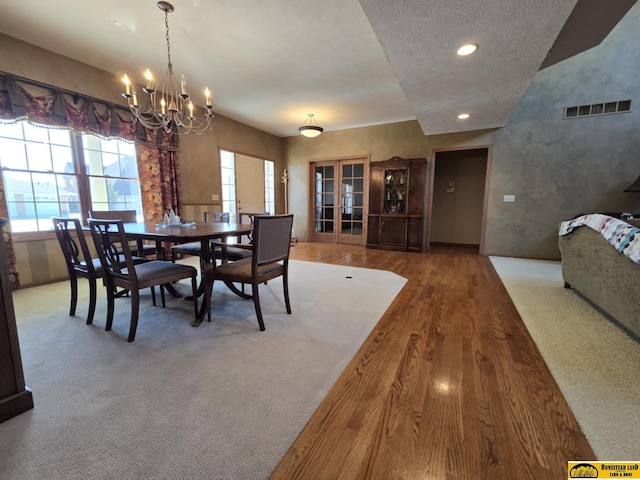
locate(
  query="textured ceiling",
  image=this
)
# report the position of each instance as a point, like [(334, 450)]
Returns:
[(420, 39), (351, 63)]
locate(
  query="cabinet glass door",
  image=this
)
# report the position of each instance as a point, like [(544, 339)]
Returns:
[(395, 191)]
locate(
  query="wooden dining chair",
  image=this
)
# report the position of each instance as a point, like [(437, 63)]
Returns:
[(80, 263), (241, 248), (131, 276), (269, 259), (78, 260), (195, 248), (138, 247)]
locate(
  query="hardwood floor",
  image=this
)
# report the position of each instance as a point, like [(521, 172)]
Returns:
[(449, 385)]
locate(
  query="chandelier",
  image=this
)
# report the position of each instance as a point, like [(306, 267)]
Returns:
[(168, 104), (308, 129)]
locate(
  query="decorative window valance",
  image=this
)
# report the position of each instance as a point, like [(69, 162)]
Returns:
[(25, 99), (22, 99)]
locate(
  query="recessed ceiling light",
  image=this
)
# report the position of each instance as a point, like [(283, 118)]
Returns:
[(467, 49), (463, 116)]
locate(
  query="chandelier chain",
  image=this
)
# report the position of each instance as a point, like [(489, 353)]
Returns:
[(166, 25)]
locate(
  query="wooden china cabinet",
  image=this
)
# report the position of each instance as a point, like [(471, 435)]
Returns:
[(396, 218), (15, 397)]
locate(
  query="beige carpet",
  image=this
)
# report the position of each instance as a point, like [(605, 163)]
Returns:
[(595, 363), (221, 401)]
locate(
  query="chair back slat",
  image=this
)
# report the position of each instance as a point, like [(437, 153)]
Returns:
[(106, 234), (75, 256), (272, 238), (127, 216)]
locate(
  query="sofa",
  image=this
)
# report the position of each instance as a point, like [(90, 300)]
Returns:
[(601, 273)]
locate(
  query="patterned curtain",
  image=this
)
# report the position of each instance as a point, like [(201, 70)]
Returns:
[(158, 165), (159, 173)]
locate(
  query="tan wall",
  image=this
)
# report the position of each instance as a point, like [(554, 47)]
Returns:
[(556, 168), (200, 158), (39, 261), (381, 142)]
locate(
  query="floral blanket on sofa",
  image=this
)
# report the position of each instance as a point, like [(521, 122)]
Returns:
[(624, 237)]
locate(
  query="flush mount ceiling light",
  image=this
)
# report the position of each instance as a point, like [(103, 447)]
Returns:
[(308, 129), (168, 103), (467, 49), (463, 116)]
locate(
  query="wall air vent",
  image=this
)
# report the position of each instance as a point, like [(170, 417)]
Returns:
[(580, 111)]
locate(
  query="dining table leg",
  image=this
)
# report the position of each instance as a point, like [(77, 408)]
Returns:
[(205, 259), (163, 256)]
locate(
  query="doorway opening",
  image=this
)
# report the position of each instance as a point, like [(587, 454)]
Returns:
[(458, 192), (248, 184)]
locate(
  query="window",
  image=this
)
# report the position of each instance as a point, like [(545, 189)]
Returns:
[(228, 176), (44, 175), (269, 188), (112, 170)]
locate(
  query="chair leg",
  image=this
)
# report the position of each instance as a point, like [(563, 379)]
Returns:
[(162, 295), (208, 289), (194, 292), (73, 280), (153, 295), (256, 304), (135, 307), (285, 286), (110, 305), (92, 300)]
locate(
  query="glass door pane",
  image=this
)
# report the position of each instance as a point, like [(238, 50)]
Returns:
[(324, 202), (352, 193)]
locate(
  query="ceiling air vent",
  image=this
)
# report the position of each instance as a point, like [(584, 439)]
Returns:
[(579, 111)]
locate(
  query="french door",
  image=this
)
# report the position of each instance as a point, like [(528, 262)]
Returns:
[(339, 191)]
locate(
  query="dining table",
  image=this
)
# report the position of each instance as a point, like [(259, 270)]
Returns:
[(204, 232)]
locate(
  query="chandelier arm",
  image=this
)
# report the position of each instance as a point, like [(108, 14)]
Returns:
[(168, 104)]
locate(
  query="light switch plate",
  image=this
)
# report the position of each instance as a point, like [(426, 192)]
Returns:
[(509, 198)]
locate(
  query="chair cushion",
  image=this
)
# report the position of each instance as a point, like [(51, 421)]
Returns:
[(191, 248), (234, 253), (242, 268), (156, 269), (97, 265)]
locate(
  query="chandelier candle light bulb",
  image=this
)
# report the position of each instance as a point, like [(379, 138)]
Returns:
[(149, 78), (168, 104), (127, 85)]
